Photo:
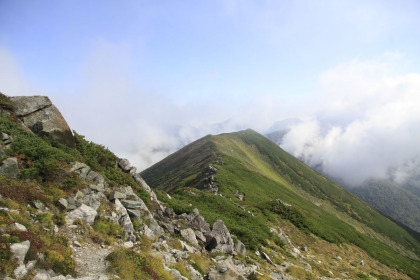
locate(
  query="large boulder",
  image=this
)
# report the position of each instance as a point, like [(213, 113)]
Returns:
[(43, 118), (220, 239), (9, 168), (83, 213)]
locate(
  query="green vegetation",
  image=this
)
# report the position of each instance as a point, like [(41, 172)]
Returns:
[(5, 103), (392, 201), (250, 164), (130, 265)]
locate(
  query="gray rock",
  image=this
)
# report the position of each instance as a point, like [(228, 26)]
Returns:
[(179, 255), (361, 262), (189, 235), (285, 239), (117, 194), (73, 204), (25, 105), (199, 223), (168, 259), (304, 248), (139, 180), (188, 248), (95, 177), (125, 165), (124, 220), (200, 236), (128, 191), (20, 271), (77, 244), (91, 200), (240, 196), (84, 213), (41, 274), (148, 233), (62, 202), (225, 270), (134, 213), (43, 118), (169, 212), (80, 168), (267, 258), (97, 188), (19, 251), (240, 248), (128, 244), (18, 227), (38, 204), (154, 226), (132, 204), (294, 250), (9, 168), (220, 239), (133, 171), (168, 227)]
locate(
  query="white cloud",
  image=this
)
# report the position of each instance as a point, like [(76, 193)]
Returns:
[(368, 122)]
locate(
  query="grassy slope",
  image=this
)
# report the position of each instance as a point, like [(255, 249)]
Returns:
[(392, 200), (263, 171)]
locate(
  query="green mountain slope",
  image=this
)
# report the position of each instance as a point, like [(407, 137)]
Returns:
[(391, 200), (252, 166)]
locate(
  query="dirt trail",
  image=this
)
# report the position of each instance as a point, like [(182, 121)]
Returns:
[(90, 261)]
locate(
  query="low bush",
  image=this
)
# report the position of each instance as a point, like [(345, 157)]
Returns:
[(59, 259), (108, 228), (129, 265)]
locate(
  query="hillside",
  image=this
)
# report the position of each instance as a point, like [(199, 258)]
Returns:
[(400, 202), (253, 185), (392, 201)]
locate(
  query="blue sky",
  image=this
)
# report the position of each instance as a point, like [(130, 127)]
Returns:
[(146, 77)]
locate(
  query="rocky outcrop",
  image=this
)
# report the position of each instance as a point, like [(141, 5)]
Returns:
[(207, 180), (43, 118), (86, 174)]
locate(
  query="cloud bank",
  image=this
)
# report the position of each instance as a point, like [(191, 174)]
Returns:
[(363, 121), (367, 124)]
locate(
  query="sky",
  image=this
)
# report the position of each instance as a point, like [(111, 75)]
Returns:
[(144, 78)]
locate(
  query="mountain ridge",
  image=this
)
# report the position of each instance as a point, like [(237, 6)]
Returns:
[(82, 213), (298, 176)]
